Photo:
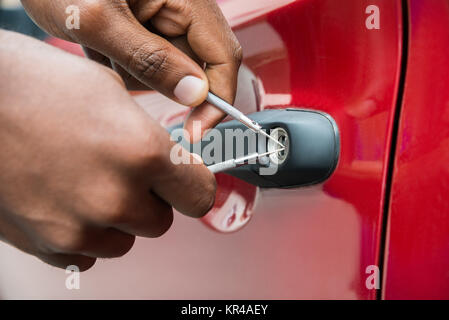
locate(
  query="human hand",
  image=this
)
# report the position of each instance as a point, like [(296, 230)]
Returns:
[(187, 35), (83, 169)]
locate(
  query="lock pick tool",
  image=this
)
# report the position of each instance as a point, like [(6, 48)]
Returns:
[(251, 124), (238, 115)]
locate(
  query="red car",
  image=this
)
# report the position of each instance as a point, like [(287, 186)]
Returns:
[(377, 228)]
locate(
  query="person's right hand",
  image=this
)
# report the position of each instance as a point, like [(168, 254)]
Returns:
[(83, 169)]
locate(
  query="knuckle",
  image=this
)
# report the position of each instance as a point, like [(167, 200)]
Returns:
[(93, 8), (164, 224), (108, 206), (91, 14), (118, 247), (123, 247), (69, 242), (149, 151), (85, 263), (116, 214), (205, 201), (147, 63), (237, 54)]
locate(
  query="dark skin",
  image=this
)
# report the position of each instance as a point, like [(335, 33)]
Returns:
[(186, 34), (83, 170)]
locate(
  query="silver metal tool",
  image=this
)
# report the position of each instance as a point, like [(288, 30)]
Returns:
[(238, 115), (234, 163)]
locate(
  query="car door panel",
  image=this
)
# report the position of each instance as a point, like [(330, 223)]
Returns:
[(312, 242), (416, 253)]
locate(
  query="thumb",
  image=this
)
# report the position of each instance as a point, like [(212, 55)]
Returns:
[(153, 61)]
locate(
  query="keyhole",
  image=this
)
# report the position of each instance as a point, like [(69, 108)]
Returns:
[(282, 139), (282, 136)]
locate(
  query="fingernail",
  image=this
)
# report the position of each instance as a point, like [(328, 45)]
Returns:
[(189, 90)]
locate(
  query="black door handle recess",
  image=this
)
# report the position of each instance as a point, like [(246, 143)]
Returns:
[(312, 151)]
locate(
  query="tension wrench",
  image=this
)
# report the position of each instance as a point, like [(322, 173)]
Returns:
[(234, 163), (238, 115)]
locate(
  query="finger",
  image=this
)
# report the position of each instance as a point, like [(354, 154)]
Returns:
[(63, 261), (133, 84), (211, 40), (209, 117), (107, 243), (150, 59), (178, 39), (182, 44), (97, 57), (222, 67), (130, 81), (146, 216), (87, 240), (26, 243), (183, 181)]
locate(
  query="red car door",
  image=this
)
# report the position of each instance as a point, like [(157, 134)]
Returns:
[(417, 248), (323, 241)]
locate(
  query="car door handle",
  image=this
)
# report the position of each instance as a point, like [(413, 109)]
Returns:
[(311, 139)]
